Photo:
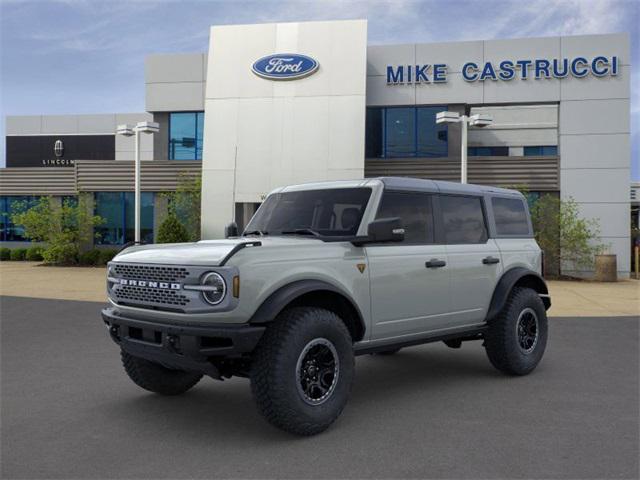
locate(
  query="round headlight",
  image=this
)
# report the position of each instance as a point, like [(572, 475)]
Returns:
[(216, 288)]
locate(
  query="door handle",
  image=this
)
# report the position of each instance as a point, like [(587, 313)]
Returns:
[(490, 260), (435, 263)]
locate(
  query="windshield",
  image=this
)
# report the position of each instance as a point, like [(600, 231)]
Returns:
[(327, 212)]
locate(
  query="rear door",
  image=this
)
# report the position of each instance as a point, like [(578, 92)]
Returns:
[(473, 257), (409, 280)]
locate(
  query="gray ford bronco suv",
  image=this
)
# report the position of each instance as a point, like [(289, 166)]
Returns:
[(324, 272)]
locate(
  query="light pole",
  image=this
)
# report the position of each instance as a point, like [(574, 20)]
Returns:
[(477, 120), (128, 131)]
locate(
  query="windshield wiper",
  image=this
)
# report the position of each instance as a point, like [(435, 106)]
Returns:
[(301, 231), (255, 232)]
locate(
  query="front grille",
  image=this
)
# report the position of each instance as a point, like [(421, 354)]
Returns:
[(133, 294), (151, 272)]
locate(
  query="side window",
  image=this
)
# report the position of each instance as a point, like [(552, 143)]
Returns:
[(510, 215), (463, 219), (415, 211)]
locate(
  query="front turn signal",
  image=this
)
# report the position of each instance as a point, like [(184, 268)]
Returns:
[(236, 286)]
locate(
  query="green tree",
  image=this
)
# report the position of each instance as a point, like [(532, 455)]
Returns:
[(172, 231), (569, 241), (184, 203), (64, 228)]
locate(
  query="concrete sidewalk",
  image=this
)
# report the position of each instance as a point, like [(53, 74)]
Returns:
[(569, 298)]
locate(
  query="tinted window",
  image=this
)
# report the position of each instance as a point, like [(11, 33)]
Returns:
[(488, 151), (432, 137), (463, 219), (9, 206), (541, 151), (335, 211), (373, 137), (511, 216), (116, 208), (403, 132), (414, 209), (185, 135)]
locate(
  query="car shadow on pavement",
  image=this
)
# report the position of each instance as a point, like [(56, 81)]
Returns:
[(215, 409)]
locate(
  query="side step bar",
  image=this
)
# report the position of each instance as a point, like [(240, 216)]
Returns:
[(463, 335)]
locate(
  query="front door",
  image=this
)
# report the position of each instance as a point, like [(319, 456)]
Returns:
[(409, 280)]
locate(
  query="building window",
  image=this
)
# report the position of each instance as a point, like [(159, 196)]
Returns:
[(117, 209), (9, 232), (488, 151), (541, 151), (401, 132), (185, 135)]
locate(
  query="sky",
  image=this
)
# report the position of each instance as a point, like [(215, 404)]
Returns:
[(87, 56)]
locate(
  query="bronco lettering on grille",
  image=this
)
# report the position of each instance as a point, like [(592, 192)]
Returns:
[(150, 284)]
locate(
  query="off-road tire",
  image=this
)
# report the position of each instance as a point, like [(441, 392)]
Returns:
[(502, 342), (156, 378), (275, 375)]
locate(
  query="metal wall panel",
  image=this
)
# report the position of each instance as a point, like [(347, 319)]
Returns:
[(537, 173), (38, 181), (157, 176)]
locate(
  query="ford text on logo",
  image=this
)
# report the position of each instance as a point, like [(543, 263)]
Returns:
[(150, 284), (285, 66)]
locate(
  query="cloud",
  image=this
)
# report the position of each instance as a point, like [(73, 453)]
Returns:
[(67, 56)]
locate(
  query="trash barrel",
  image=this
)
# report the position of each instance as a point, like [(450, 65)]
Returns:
[(606, 268)]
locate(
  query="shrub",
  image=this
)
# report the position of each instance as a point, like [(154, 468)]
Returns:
[(172, 231), (18, 254), (34, 254), (5, 254), (90, 257), (64, 227), (106, 256), (184, 203), (66, 254)]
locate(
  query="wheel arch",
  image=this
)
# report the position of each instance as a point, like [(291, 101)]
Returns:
[(517, 277), (314, 293)]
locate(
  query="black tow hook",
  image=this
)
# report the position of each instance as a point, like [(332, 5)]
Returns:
[(173, 343), (114, 331)]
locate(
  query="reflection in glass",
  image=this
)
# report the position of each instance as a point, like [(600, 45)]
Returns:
[(185, 135), (117, 209)]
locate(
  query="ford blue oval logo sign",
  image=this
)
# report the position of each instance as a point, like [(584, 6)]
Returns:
[(285, 66)]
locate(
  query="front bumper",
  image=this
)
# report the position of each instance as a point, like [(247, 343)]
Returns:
[(190, 348)]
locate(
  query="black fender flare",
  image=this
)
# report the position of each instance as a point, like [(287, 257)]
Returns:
[(511, 278), (278, 300)]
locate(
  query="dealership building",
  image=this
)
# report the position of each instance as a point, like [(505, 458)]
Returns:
[(275, 104)]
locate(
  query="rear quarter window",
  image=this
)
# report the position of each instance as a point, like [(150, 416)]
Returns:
[(463, 219), (510, 216)]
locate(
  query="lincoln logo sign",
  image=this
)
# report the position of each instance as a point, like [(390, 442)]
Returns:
[(285, 66), (58, 148), (505, 70)]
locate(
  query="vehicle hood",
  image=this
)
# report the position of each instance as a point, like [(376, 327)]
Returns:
[(205, 252)]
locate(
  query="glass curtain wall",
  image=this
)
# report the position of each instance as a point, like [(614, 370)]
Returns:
[(185, 135), (117, 209), (401, 132)]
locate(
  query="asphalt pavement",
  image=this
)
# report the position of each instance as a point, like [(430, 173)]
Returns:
[(69, 411)]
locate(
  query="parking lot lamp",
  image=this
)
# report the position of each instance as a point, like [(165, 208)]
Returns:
[(128, 131), (477, 120)]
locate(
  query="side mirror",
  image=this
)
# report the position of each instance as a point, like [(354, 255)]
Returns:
[(231, 230), (386, 230), (382, 230)]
